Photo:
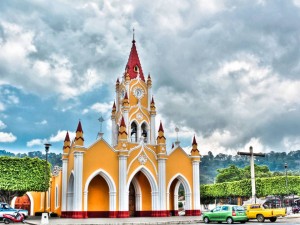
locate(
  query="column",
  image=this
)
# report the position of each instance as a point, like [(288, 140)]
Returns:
[(123, 193), (64, 185), (196, 185), (162, 184), (78, 167), (152, 135), (113, 132)]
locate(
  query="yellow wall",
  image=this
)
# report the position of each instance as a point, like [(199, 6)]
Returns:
[(101, 156)]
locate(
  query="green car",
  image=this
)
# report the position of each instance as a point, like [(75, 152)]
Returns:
[(226, 213)]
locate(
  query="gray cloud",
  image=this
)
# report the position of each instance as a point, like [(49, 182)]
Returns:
[(226, 68)]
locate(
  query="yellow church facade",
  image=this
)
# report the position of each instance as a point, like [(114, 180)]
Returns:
[(134, 175)]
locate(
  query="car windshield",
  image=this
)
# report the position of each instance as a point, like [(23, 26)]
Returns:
[(238, 208), (5, 206)]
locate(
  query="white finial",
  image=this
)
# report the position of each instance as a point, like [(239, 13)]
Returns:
[(177, 130), (177, 142)]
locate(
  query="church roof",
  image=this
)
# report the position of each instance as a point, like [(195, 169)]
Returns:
[(133, 61)]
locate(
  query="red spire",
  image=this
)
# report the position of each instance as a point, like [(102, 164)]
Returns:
[(79, 128), (172, 145), (122, 122), (126, 96), (67, 138), (117, 82), (134, 61), (194, 141), (161, 127), (149, 76), (114, 106), (152, 101)]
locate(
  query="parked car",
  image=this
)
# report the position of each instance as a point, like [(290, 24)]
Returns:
[(226, 213), (259, 212), (6, 209), (295, 209)]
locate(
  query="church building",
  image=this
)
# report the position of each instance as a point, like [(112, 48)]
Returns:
[(134, 175)]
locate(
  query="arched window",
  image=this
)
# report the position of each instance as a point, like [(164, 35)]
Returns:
[(133, 133), (144, 132)]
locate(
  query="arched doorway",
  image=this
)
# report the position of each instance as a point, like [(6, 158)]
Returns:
[(70, 193), (140, 196), (179, 197), (23, 203), (98, 198)]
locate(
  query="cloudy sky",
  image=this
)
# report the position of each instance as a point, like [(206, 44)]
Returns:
[(226, 71)]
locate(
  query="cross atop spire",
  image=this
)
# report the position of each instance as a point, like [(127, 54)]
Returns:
[(133, 41)]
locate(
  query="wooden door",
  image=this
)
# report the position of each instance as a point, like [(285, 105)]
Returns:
[(131, 201), (23, 203)]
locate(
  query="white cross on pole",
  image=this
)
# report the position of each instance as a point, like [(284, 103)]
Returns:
[(251, 154)]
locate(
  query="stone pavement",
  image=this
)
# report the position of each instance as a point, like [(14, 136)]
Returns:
[(120, 221), (129, 221)]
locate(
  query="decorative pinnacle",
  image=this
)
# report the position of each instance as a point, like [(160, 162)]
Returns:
[(161, 127), (67, 138), (194, 141)]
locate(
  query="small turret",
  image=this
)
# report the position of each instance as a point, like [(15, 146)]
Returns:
[(152, 107), (149, 81), (161, 140), (195, 151), (66, 147), (122, 131), (126, 101), (113, 111), (127, 77), (79, 140), (117, 84)]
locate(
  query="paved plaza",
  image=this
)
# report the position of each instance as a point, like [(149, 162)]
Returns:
[(121, 221), (131, 220)]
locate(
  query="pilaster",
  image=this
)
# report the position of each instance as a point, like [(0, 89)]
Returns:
[(64, 184), (78, 169)]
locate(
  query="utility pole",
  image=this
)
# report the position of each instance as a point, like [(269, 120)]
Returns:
[(251, 154)]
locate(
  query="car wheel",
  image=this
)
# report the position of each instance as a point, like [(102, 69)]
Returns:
[(206, 220), (273, 219), (6, 221), (229, 220), (260, 218)]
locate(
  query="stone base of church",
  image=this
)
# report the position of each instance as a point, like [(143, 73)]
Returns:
[(192, 212), (125, 214)]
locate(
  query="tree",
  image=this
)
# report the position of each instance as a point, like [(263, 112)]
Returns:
[(19, 175), (233, 173)]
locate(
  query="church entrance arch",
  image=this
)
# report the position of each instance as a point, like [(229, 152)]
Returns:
[(70, 193), (100, 195), (142, 194), (179, 194)]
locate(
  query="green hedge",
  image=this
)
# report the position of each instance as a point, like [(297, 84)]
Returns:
[(23, 174), (264, 187)]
